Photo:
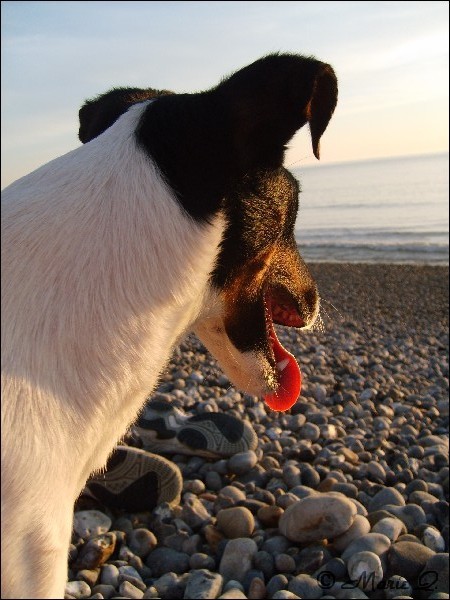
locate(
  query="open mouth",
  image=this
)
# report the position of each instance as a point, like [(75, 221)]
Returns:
[(281, 310)]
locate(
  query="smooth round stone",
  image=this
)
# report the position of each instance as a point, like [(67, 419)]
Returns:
[(310, 477), (213, 481), (128, 590), (203, 584), (417, 485), (270, 515), (291, 476), (335, 566), (309, 431), (96, 551), (419, 498), (110, 575), (105, 590), (391, 527), (233, 594), (232, 584), (365, 569), (284, 563), (276, 544), (344, 592), (165, 586), (285, 595), (376, 470), (200, 560), (257, 589), (397, 586), (433, 539), (236, 522), (237, 558), (142, 541), (242, 462), (408, 559), (437, 565), (162, 560), (194, 513), (411, 515), (360, 527), (276, 583), (195, 486), (316, 518), (233, 492), (371, 542), (384, 497), (305, 587), (89, 523), (78, 589), (264, 562)]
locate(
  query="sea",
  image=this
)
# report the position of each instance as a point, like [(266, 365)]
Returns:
[(392, 210)]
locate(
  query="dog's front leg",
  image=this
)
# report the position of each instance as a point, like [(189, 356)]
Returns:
[(35, 550)]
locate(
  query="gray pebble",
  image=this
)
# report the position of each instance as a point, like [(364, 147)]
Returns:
[(386, 496), (78, 589), (161, 560), (142, 541), (89, 523), (305, 587), (433, 539), (128, 590), (411, 514), (365, 570), (436, 572), (107, 591), (391, 527), (203, 584), (309, 431), (284, 563), (318, 517), (275, 584), (237, 558), (233, 594), (371, 542), (408, 559), (233, 584), (359, 527), (110, 575), (397, 586), (242, 462), (200, 560)]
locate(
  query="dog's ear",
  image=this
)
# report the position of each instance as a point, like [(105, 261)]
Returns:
[(98, 114), (274, 97)]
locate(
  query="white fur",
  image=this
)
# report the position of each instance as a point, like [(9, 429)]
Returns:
[(102, 273)]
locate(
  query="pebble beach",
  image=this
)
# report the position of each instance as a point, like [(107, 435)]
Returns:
[(346, 495)]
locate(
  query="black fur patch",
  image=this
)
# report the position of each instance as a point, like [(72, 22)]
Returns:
[(98, 114), (206, 143)]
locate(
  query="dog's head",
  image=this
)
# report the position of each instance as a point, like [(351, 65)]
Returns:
[(222, 151)]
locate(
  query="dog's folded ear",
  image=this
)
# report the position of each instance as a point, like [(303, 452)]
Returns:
[(98, 114), (274, 97)]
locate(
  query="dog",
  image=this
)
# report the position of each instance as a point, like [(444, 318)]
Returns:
[(176, 215)]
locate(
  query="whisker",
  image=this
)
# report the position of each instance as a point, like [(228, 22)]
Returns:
[(333, 306)]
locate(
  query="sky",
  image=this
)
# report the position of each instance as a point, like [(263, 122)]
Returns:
[(391, 59)]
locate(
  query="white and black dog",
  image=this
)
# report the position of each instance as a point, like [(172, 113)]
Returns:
[(176, 215)]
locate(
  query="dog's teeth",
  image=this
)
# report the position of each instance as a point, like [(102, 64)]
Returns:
[(282, 364)]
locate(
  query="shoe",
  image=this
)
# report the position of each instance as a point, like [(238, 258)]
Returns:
[(164, 428), (136, 481)]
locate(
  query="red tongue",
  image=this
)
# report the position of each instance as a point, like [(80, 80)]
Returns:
[(289, 378)]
